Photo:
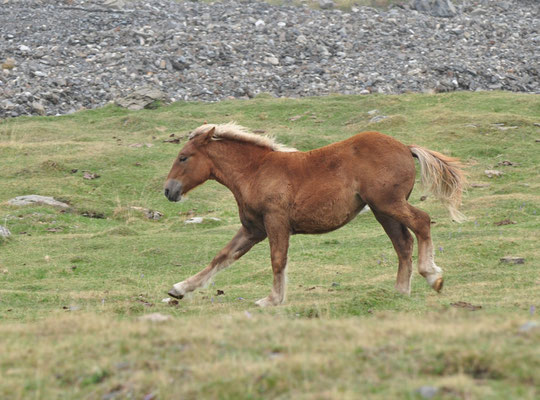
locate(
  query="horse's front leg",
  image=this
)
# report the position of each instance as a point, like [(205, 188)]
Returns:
[(278, 236), (242, 242)]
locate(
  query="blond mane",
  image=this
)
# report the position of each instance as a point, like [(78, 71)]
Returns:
[(236, 132)]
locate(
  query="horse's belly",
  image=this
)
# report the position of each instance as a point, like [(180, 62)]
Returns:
[(324, 214)]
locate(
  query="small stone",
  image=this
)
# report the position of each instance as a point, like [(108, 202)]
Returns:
[(90, 175), (155, 317), (436, 8), (9, 63), (194, 220), (4, 232), (427, 392), (490, 173), (301, 39), (377, 118), (504, 222), (512, 260), (114, 3), (24, 48), (150, 396), (507, 163), (154, 215), (465, 305), (272, 60), (142, 98), (529, 326), (38, 108), (479, 185), (503, 127), (326, 4)]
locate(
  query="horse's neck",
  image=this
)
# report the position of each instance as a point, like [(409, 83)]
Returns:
[(235, 164)]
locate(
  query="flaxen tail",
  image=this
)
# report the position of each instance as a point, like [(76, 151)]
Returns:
[(443, 177)]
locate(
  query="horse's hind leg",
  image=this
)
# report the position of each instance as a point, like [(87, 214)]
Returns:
[(242, 242), (420, 223), (403, 244)]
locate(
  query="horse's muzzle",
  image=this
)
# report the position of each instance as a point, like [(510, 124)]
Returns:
[(173, 190)]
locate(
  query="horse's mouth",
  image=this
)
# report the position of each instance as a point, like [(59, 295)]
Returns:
[(173, 190), (174, 198)]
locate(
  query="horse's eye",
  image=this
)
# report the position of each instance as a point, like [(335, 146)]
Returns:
[(182, 158)]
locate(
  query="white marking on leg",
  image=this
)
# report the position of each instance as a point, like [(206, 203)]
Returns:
[(279, 291), (201, 279), (428, 269)]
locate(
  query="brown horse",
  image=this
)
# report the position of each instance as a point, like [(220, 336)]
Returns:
[(281, 192)]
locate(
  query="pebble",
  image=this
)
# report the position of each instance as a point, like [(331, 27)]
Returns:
[(87, 53), (512, 260), (4, 232), (194, 220), (155, 317), (528, 326), (490, 173), (427, 392)]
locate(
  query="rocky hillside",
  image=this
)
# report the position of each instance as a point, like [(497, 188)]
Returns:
[(57, 57)]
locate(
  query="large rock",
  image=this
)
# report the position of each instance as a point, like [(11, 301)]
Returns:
[(33, 199), (143, 98), (436, 8)]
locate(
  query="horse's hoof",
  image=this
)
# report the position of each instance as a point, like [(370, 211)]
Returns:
[(265, 302), (268, 302), (438, 284), (403, 290), (174, 294)]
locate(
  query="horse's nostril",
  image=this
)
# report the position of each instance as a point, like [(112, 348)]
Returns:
[(167, 192)]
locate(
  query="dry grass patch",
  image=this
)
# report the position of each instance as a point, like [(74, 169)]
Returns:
[(241, 355)]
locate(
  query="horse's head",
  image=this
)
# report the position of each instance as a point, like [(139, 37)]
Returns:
[(191, 168)]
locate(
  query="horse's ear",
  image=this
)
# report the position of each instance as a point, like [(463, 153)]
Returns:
[(208, 135)]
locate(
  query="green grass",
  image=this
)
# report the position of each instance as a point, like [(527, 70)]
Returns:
[(72, 287)]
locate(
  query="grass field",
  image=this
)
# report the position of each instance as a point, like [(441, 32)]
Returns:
[(74, 283)]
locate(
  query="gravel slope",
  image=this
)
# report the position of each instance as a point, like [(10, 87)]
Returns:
[(58, 57)]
